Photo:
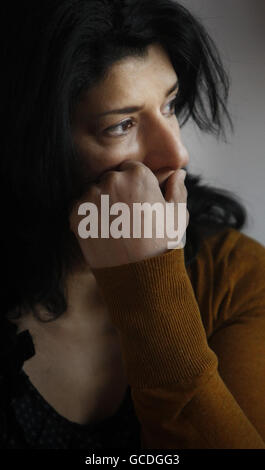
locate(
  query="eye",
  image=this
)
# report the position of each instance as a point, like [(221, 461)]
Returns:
[(172, 105), (123, 127)]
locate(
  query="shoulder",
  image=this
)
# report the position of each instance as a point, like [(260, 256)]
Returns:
[(234, 250), (231, 240), (228, 277)]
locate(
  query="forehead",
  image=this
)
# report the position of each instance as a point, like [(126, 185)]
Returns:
[(134, 77)]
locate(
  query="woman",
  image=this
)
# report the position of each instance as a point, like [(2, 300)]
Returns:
[(121, 342)]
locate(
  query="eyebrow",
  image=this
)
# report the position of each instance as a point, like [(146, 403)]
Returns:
[(133, 109)]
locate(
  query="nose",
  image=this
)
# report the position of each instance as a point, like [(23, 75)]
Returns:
[(165, 148)]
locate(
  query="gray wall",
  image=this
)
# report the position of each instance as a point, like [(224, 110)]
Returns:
[(238, 28)]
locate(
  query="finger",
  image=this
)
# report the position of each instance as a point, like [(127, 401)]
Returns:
[(181, 173), (130, 164), (162, 175), (175, 189)]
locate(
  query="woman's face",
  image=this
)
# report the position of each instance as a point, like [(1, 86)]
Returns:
[(130, 116)]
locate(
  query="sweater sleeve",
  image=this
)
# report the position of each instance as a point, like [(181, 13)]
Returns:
[(179, 396)]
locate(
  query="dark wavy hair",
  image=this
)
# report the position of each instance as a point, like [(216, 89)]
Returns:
[(51, 51)]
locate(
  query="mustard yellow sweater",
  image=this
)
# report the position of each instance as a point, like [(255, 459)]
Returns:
[(193, 343)]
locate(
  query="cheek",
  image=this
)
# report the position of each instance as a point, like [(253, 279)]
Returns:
[(96, 158)]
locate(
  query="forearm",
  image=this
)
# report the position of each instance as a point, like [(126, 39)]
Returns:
[(152, 305), (179, 396)]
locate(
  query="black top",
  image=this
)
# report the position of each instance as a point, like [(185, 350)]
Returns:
[(29, 422)]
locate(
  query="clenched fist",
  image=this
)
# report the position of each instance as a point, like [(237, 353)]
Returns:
[(124, 190)]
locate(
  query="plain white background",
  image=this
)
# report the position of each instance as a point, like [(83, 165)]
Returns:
[(238, 165)]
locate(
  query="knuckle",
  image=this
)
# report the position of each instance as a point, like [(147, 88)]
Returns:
[(141, 170), (108, 176), (134, 166)]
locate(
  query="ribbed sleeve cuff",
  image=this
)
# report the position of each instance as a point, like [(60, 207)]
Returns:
[(152, 304)]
